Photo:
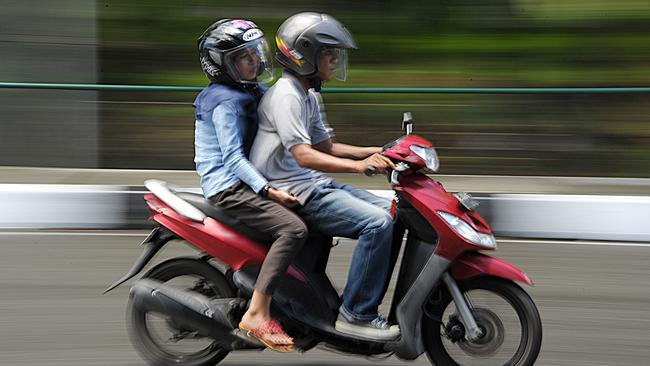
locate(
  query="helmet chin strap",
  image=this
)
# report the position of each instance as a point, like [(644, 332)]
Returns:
[(248, 87), (252, 87), (315, 82)]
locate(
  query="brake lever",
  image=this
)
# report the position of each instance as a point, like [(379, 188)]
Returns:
[(394, 175)]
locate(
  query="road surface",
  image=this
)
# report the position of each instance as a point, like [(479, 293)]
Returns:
[(593, 297)]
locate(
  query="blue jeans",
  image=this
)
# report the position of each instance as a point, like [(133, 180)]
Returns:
[(342, 210)]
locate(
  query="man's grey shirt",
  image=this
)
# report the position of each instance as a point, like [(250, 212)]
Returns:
[(289, 116)]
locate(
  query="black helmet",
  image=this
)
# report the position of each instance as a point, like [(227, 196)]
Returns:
[(303, 36), (224, 41)]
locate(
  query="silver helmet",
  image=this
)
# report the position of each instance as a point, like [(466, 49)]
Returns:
[(302, 38)]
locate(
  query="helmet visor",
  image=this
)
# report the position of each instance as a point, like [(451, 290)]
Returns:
[(250, 62), (334, 63)]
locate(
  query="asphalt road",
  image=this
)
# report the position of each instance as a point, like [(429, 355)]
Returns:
[(593, 297)]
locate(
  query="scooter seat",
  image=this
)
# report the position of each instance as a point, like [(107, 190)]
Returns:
[(200, 202)]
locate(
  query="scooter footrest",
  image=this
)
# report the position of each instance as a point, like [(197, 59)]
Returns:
[(248, 341)]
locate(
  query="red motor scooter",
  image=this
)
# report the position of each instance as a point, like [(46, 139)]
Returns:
[(452, 302)]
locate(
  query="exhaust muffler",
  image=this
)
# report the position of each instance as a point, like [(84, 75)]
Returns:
[(214, 318)]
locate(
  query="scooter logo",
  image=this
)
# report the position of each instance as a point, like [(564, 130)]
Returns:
[(294, 55), (252, 34)]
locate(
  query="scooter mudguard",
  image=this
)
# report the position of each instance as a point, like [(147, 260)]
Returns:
[(477, 264)]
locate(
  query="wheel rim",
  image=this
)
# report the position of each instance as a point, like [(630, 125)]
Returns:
[(505, 334)]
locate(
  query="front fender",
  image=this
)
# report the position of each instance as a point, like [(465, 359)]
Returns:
[(477, 264)]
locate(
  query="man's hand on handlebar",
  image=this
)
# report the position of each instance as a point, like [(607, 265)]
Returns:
[(380, 163)]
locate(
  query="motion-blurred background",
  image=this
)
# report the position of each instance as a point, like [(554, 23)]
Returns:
[(407, 43), (592, 295)]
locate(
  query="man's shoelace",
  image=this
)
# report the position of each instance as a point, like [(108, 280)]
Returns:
[(379, 322)]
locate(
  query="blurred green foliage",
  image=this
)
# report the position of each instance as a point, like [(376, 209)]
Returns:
[(417, 43)]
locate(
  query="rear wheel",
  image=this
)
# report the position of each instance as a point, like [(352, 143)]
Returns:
[(157, 338), (505, 313)]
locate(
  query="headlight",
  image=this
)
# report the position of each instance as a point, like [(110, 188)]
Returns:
[(428, 154), (466, 231)]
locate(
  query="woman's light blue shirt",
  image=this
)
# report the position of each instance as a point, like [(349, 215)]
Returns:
[(219, 150)]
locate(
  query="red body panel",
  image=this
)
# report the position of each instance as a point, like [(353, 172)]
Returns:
[(402, 151), (213, 237), (429, 196), (477, 264)]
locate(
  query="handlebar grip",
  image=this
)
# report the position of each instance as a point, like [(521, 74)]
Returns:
[(370, 171)]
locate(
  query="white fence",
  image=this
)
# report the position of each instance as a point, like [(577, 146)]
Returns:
[(596, 217)]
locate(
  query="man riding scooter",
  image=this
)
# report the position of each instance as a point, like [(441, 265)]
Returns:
[(294, 147), (186, 311)]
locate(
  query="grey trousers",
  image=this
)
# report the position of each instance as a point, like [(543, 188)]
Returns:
[(282, 226)]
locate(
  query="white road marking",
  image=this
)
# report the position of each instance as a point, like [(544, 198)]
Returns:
[(571, 242)]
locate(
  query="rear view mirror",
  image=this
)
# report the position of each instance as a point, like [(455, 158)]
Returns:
[(407, 123)]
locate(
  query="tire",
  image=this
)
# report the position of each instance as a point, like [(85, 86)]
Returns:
[(141, 323), (439, 348)]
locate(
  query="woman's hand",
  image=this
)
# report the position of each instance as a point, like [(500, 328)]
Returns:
[(282, 198)]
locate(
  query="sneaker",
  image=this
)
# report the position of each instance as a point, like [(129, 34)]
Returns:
[(378, 328)]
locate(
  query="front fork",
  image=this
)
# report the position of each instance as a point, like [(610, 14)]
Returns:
[(473, 332)]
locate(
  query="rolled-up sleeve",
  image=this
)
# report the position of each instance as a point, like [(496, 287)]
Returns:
[(227, 121)]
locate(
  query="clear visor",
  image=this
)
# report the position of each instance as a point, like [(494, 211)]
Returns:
[(335, 60), (250, 62)]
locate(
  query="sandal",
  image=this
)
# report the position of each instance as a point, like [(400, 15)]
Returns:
[(269, 328)]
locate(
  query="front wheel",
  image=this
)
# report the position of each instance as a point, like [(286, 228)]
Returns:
[(508, 317), (157, 338)]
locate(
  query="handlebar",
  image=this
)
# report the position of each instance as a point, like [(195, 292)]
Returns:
[(393, 175), (370, 171)]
